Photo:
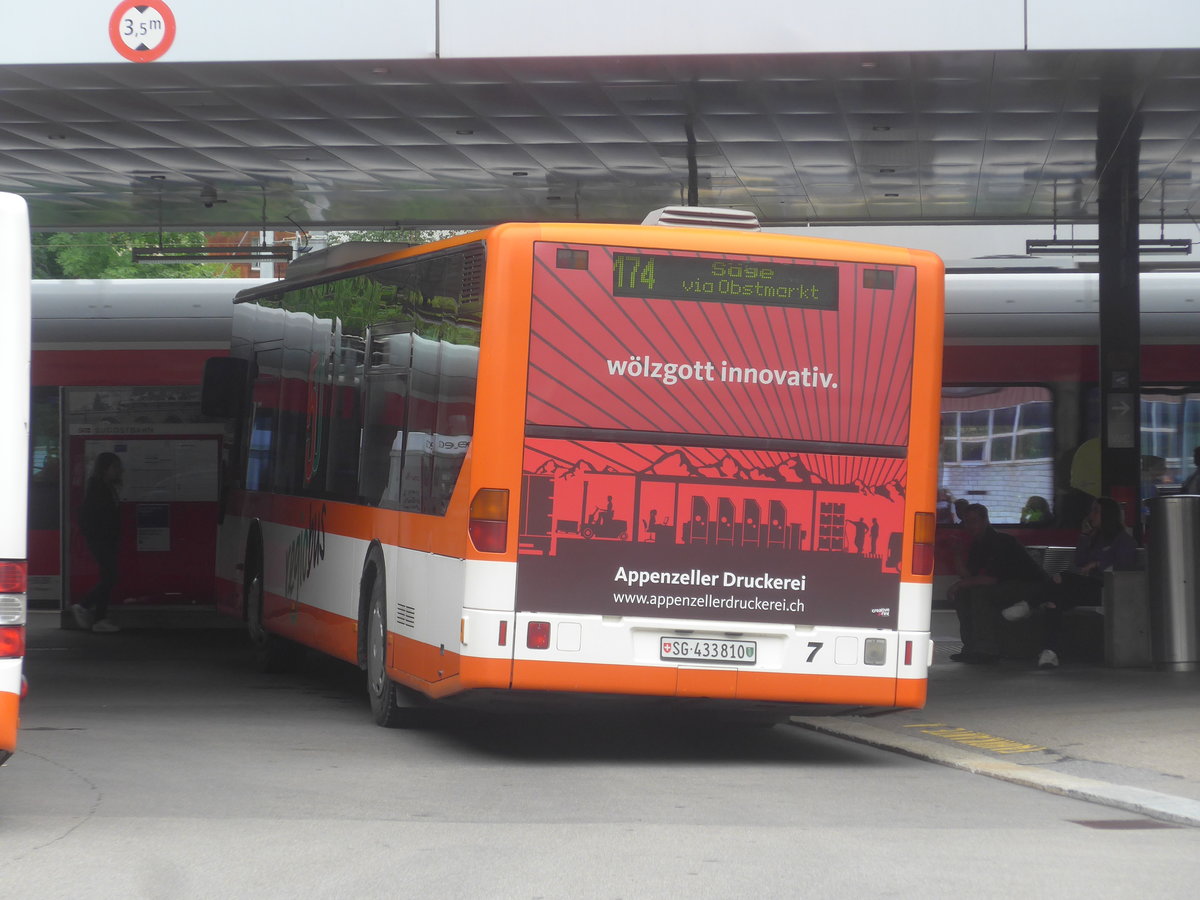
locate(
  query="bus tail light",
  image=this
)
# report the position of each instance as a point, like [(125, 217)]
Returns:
[(924, 527), (488, 524), (12, 576), (538, 636), (908, 653), (12, 642)]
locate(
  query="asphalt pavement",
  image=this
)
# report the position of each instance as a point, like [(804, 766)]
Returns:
[(1127, 738)]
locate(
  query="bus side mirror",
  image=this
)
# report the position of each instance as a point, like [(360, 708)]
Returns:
[(223, 387)]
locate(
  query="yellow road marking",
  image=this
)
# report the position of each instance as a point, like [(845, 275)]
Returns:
[(978, 739)]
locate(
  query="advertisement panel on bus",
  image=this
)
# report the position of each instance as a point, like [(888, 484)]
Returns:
[(715, 437)]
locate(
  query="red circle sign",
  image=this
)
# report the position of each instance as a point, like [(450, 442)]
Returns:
[(142, 30)]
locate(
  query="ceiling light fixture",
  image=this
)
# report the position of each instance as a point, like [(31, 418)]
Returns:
[(161, 254), (1091, 246), (277, 253)]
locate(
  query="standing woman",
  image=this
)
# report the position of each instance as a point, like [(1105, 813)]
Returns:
[(100, 522)]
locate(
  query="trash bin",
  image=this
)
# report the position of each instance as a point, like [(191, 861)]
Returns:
[(1174, 556)]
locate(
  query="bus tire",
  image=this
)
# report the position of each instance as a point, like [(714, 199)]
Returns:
[(272, 654), (392, 704)]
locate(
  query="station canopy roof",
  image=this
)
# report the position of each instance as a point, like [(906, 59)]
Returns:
[(880, 138)]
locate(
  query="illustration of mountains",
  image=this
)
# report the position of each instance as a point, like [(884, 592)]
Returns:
[(674, 463), (560, 469), (790, 470), (893, 490), (725, 467)]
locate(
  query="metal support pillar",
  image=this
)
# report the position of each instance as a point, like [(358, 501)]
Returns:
[(1119, 133)]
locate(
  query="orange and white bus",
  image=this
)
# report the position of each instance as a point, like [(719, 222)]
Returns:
[(14, 458), (688, 462)]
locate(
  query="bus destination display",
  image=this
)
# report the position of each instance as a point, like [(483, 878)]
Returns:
[(725, 280)]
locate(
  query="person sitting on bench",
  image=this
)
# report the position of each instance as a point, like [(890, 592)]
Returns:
[(999, 574), (1104, 544)]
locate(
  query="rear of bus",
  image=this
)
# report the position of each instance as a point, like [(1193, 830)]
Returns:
[(728, 463), (14, 451)]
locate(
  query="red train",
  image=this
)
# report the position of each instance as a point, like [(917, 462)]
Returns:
[(121, 358)]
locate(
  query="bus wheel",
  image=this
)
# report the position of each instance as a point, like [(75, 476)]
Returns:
[(392, 705), (271, 653)]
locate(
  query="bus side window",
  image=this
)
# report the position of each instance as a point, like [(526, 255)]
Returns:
[(385, 417), (455, 419), (263, 428), (344, 428)]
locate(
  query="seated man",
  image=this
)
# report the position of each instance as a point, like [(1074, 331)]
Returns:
[(999, 574), (1104, 545)]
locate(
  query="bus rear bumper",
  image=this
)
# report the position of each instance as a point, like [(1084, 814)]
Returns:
[(610, 656), (696, 682)]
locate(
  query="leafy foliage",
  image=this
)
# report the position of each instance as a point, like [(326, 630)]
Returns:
[(403, 235), (65, 254)]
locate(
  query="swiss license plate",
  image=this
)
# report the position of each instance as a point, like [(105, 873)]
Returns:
[(716, 650)]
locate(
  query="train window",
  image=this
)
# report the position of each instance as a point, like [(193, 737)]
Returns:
[(1035, 415), (998, 446), (1035, 445), (1161, 420), (1170, 427), (972, 451), (1001, 449), (44, 436), (1170, 430)]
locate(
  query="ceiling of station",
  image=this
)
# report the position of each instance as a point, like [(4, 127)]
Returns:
[(821, 139)]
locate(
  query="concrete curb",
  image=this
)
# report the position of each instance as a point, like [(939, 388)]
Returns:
[(1164, 807)]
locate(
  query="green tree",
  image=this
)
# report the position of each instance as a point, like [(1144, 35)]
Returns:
[(405, 235), (63, 254)]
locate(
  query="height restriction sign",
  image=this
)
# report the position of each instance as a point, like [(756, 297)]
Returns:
[(142, 30)]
